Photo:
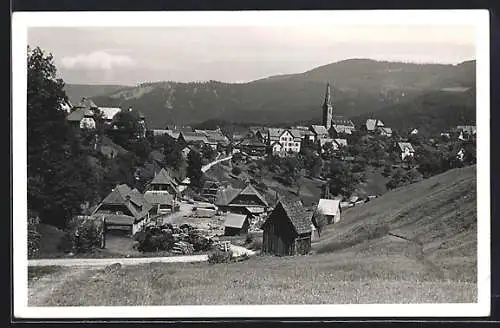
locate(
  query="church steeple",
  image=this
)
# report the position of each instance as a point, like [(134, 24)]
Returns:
[(327, 109)]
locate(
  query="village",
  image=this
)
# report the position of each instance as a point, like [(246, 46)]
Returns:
[(170, 217)]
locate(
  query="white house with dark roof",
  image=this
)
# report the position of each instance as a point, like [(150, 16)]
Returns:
[(406, 150), (330, 208), (384, 131), (282, 141), (372, 125)]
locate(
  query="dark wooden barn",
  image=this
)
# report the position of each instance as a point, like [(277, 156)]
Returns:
[(287, 230)]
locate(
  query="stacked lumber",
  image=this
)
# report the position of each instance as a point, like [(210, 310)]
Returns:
[(182, 248)]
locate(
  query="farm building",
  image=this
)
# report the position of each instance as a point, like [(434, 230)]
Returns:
[(224, 196), (236, 224), (330, 208), (248, 201), (125, 209), (287, 230), (252, 146), (162, 192)]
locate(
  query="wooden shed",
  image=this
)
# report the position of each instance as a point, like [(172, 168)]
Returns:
[(287, 230), (236, 224)]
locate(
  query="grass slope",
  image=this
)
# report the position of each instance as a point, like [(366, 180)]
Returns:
[(359, 260)]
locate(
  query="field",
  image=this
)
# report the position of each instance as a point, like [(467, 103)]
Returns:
[(416, 244)]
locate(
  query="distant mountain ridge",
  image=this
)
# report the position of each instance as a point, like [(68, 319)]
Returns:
[(360, 86)]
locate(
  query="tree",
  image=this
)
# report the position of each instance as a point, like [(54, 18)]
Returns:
[(208, 152), (194, 168), (320, 221), (59, 174), (341, 179)]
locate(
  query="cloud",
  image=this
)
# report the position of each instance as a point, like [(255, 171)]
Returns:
[(100, 60)]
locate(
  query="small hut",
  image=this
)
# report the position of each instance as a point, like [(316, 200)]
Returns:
[(287, 230), (236, 224)]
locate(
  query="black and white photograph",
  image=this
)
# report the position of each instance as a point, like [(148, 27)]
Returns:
[(238, 164)]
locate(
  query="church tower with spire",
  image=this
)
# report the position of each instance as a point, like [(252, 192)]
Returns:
[(327, 109)]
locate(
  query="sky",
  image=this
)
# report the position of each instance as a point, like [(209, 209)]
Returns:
[(132, 55)]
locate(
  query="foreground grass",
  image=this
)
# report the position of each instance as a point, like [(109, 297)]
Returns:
[(265, 280)]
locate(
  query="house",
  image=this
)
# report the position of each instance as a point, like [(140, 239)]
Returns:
[(248, 201), (330, 208), (468, 129), (162, 192), (386, 132), (124, 209), (215, 138), (259, 132), (192, 138), (162, 181), (336, 143), (302, 135), (252, 146), (236, 224), (82, 118), (185, 151), (372, 125), (287, 230), (319, 132), (341, 130), (282, 141), (461, 154), (109, 113), (224, 196), (406, 150), (341, 125), (414, 131)]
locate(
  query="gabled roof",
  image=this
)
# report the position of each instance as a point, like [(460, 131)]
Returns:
[(371, 124), (319, 129), (329, 206), (235, 220), (78, 114), (406, 145), (86, 103), (249, 190), (115, 219), (275, 133), (225, 196), (341, 142), (138, 206), (298, 216), (163, 178), (386, 130), (110, 112), (252, 142), (193, 136), (173, 133), (341, 120), (297, 134), (343, 128)]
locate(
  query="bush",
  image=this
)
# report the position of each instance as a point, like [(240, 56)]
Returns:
[(236, 170), (89, 237), (219, 256), (66, 243), (153, 239), (33, 243)]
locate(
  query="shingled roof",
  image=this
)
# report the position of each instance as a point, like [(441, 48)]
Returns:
[(298, 216), (249, 190), (163, 177), (319, 129), (225, 196), (137, 205)]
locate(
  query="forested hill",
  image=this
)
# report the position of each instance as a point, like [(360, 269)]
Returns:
[(360, 86), (431, 113)]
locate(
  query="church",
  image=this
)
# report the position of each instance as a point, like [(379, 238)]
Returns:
[(336, 125)]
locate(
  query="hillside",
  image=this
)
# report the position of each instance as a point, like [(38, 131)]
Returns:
[(76, 92), (359, 260), (433, 221), (361, 86), (431, 113)]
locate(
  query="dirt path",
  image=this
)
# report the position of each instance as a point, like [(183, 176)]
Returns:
[(122, 261), (40, 289)]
